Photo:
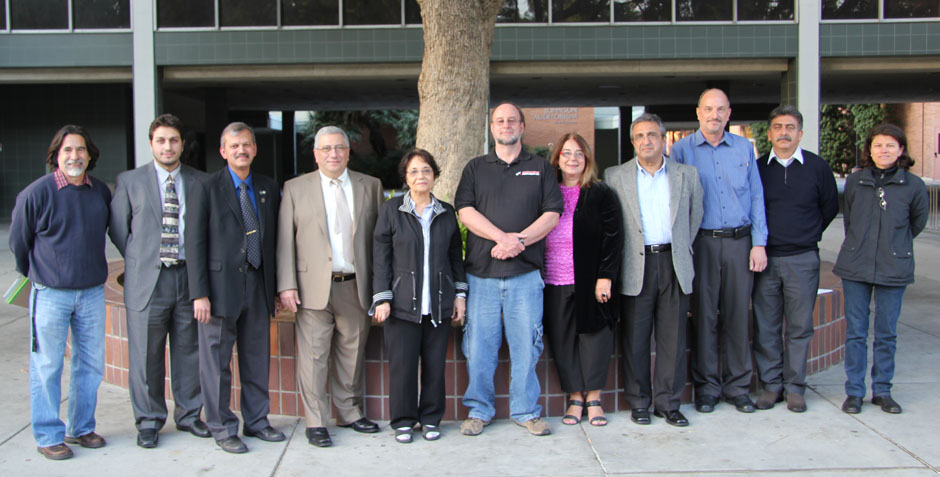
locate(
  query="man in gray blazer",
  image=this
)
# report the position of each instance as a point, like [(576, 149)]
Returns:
[(164, 271), (662, 211)]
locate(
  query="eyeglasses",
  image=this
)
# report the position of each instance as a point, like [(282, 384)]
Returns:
[(506, 122), (423, 172), (881, 195), (329, 149), (568, 154)]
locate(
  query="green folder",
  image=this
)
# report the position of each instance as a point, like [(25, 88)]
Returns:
[(18, 293)]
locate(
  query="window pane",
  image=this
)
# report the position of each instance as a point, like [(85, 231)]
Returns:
[(911, 8), (412, 12), (39, 14), (765, 9), (580, 11), (849, 9), (247, 12), (523, 11), (372, 12), (309, 12), (185, 13), (101, 13), (641, 10), (3, 17), (703, 10)]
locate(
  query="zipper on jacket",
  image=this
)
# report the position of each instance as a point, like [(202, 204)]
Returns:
[(414, 298), (440, 298)]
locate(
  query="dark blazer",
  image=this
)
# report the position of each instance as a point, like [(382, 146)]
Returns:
[(398, 260), (136, 223), (227, 243), (597, 241)]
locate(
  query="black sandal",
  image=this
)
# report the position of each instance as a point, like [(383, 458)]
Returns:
[(597, 421), (566, 420), (404, 434)]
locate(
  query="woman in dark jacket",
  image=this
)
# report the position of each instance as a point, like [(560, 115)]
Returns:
[(885, 208), (582, 258), (419, 280)]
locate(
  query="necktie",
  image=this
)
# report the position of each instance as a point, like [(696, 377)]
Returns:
[(170, 233), (343, 221), (252, 232)]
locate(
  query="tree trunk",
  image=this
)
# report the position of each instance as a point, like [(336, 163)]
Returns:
[(454, 85)]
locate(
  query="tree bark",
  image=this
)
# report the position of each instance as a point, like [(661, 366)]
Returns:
[(454, 85)]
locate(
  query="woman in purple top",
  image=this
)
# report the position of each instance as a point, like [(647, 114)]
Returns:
[(582, 259)]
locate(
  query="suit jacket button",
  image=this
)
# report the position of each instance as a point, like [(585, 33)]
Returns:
[(241, 251), (239, 269)]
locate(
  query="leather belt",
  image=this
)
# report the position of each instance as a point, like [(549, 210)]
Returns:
[(658, 248), (739, 232), (179, 263), (342, 277)]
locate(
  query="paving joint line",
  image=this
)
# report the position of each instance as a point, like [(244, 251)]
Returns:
[(280, 458), (597, 455)]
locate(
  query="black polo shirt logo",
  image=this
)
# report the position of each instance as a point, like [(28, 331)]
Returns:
[(528, 173)]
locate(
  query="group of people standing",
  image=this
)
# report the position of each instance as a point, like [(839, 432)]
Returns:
[(707, 230)]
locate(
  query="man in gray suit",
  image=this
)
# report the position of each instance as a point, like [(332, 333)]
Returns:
[(164, 270), (662, 211)]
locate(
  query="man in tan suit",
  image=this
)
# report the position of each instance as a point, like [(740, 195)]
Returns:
[(324, 274)]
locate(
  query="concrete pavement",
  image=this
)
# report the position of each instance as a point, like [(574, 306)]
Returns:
[(824, 441)]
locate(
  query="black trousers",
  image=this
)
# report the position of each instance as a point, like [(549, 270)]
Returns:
[(582, 359), (250, 330), (406, 343), (721, 293), (169, 313), (660, 306)]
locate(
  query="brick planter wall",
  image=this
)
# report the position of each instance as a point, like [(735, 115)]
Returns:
[(827, 350)]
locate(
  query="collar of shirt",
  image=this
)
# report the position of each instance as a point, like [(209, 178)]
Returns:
[(162, 173), (641, 170), (699, 138), (797, 154), (325, 180), (408, 205), (523, 156), (61, 181), (238, 180)]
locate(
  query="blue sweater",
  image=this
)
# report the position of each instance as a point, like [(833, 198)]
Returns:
[(58, 236), (800, 201)]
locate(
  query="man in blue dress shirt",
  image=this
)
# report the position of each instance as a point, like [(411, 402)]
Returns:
[(727, 252)]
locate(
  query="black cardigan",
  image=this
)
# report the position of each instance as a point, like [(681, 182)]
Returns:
[(398, 260), (598, 248)]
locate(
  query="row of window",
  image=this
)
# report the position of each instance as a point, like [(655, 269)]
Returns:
[(107, 14)]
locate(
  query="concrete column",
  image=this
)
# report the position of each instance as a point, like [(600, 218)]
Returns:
[(800, 85), (145, 79)]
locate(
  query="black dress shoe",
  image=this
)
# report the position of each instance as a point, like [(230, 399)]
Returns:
[(742, 403), (196, 428), (852, 405), (705, 403), (640, 416), (147, 438), (363, 425), (674, 418), (319, 436), (269, 434), (232, 445), (887, 404)]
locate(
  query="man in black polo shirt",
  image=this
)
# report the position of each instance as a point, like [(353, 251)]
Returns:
[(800, 200), (509, 200)]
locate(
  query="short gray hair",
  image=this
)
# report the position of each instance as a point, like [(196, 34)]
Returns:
[(648, 118), (326, 130), (786, 110), (236, 128)]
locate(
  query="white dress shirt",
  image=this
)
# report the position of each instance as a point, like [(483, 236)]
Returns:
[(329, 200)]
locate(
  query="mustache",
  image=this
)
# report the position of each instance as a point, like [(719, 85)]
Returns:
[(784, 137)]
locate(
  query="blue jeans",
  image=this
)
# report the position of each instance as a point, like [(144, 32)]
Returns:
[(857, 311), (54, 311), (513, 304)]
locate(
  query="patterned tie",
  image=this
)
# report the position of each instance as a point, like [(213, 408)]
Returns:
[(343, 221), (170, 233), (253, 234)]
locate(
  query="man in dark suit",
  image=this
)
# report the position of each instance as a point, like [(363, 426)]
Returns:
[(241, 228), (662, 211), (164, 270)]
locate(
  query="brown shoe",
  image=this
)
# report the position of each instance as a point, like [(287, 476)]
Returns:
[(88, 441), (537, 426), (767, 399), (473, 426), (795, 402), (56, 452)]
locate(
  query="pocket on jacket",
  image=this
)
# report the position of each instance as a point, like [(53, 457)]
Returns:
[(215, 265)]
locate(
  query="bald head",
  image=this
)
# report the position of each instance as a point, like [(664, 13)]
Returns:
[(713, 111)]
